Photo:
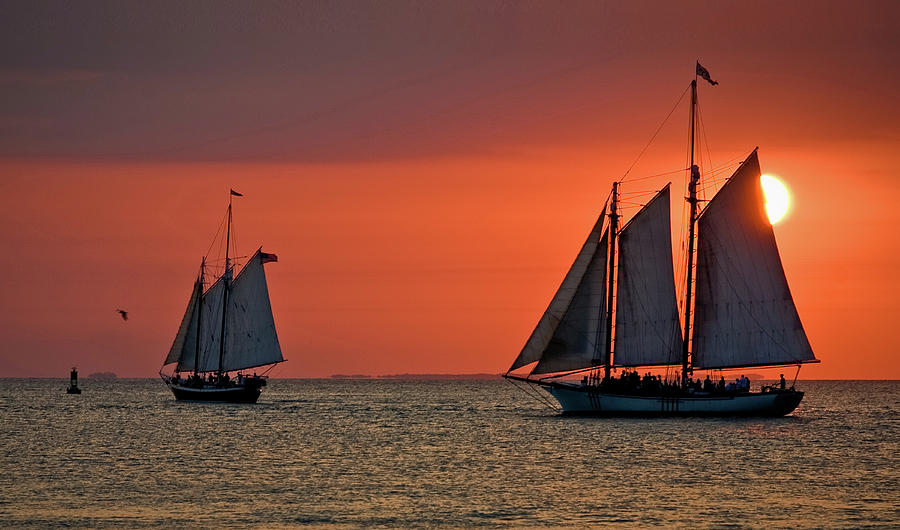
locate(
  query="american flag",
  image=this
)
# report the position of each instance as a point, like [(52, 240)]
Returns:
[(704, 73)]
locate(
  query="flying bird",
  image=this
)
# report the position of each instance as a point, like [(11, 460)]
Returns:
[(123, 313)]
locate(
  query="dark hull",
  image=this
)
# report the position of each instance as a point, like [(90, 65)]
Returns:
[(584, 401), (233, 394)]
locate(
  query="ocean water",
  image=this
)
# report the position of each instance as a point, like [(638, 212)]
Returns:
[(436, 453)]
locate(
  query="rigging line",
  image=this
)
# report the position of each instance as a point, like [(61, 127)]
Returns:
[(566, 373), (654, 135), (233, 244), (639, 191), (633, 194), (720, 170), (269, 369), (730, 162), (734, 162), (536, 397), (541, 397), (635, 179), (705, 140), (216, 235)]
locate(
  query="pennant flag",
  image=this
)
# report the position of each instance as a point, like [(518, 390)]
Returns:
[(267, 258), (704, 73), (236, 194)]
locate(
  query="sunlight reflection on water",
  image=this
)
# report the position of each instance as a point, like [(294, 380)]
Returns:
[(457, 453)]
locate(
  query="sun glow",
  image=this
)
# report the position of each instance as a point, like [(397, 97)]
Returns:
[(777, 199)]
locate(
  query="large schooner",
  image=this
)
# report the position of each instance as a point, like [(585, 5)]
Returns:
[(227, 329), (617, 310)]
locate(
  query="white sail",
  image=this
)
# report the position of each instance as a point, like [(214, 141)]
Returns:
[(578, 341), (187, 331), (648, 330), (744, 313), (250, 337), (566, 337), (210, 331)]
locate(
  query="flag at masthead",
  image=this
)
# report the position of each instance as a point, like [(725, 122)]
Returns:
[(704, 73)]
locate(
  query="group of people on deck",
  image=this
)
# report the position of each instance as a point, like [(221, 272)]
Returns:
[(629, 381), (212, 379), (741, 384)]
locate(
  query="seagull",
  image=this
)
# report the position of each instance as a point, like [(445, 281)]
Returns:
[(123, 313)]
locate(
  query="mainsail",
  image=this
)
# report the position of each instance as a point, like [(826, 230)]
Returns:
[(647, 324), (744, 312), (571, 331), (210, 329), (250, 337)]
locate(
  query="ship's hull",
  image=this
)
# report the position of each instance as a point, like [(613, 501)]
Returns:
[(230, 394), (587, 401)]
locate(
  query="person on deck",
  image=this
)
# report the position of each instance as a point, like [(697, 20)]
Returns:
[(782, 382)]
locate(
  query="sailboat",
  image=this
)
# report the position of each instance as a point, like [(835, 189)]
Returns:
[(617, 310), (227, 329)]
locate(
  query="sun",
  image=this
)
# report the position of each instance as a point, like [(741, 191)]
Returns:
[(777, 199)]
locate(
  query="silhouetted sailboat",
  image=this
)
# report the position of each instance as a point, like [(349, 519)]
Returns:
[(226, 329), (617, 309)]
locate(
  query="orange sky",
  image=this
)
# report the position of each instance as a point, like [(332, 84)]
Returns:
[(426, 174)]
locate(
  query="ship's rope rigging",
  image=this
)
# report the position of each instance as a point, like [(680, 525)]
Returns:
[(216, 265), (534, 394), (652, 138), (711, 182)]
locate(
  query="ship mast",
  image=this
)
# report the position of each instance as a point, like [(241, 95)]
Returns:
[(692, 199), (199, 315), (226, 287), (613, 226)]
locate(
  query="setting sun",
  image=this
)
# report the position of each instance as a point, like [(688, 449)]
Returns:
[(777, 199)]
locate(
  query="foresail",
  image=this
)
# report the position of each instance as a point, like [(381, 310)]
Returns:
[(744, 313), (579, 339), (566, 335), (647, 324), (186, 338), (250, 334)]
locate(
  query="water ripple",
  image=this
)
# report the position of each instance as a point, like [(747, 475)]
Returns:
[(441, 453)]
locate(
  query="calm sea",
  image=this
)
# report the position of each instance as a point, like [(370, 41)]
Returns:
[(436, 453)]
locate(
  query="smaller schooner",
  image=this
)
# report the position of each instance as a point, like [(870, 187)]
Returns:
[(617, 309), (227, 329)]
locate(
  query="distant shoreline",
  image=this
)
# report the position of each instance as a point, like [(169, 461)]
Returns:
[(103, 376), (418, 377), (394, 377)]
